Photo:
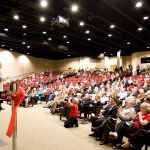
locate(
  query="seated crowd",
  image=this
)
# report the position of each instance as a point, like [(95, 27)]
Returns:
[(119, 103)]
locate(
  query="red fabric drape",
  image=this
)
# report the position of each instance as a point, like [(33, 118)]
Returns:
[(18, 98)]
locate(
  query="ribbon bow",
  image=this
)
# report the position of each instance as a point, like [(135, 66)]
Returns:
[(18, 98)]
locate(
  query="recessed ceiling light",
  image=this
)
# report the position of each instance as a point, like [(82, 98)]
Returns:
[(65, 36), (67, 42), (16, 17), (145, 18), (6, 29), (11, 49), (89, 39), (28, 46), (74, 8), (23, 43), (138, 4), (49, 39), (112, 26), (87, 31), (3, 45), (109, 35), (24, 34), (42, 19), (28, 53), (140, 29), (104, 52), (81, 23), (24, 26), (128, 43), (111, 54), (68, 55), (43, 3), (147, 47), (44, 32)]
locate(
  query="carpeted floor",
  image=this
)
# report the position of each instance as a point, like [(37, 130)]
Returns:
[(39, 130)]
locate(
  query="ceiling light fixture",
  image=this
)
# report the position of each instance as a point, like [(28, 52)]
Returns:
[(44, 32), (147, 47), (68, 55), (67, 42), (145, 18), (24, 26), (3, 45), (6, 29), (28, 53), (109, 35), (89, 39), (23, 43), (28, 46), (112, 26), (65, 36), (128, 43), (81, 23), (49, 39), (24, 34), (43, 3), (138, 4), (42, 19), (74, 8), (87, 31), (16, 17), (140, 29), (10, 49)]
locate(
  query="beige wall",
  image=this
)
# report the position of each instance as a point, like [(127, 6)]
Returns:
[(126, 60), (76, 63), (136, 59), (64, 64), (16, 64)]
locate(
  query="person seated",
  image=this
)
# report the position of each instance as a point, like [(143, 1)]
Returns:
[(141, 120), (138, 140), (72, 121), (61, 95), (109, 112), (51, 98), (27, 96), (134, 92), (147, 99), (124, 114), (85, 106), (139, 100)]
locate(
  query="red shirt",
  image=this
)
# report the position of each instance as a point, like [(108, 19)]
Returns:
[(74, 110), (137, 122)]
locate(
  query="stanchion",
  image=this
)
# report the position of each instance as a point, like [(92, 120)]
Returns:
[(13, 88)]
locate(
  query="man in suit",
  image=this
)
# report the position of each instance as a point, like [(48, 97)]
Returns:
[(99, 121)]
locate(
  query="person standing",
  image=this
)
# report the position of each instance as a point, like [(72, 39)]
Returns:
[(1, 86)]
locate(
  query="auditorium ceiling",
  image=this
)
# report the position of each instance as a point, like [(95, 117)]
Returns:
[(95, 27)]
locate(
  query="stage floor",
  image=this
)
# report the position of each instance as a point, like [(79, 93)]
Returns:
[(39, 130)]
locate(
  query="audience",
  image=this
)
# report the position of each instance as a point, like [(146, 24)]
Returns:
[(117, 102)]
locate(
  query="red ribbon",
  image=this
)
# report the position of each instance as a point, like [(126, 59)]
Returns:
[(18, 98)]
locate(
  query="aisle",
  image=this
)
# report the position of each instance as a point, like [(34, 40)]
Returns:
[(38, 129)]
